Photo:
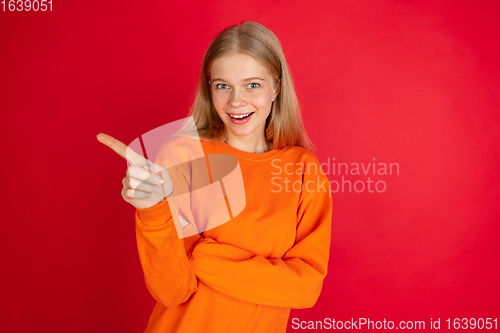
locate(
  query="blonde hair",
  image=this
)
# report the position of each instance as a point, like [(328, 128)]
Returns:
[(284, 126)]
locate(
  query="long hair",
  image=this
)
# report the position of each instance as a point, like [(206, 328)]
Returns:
[(284, 126)]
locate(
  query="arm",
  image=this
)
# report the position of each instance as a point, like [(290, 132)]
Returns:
[(294, 281), (164, 257), (167, 272)]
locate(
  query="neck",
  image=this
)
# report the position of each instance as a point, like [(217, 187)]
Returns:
[(250, 145)]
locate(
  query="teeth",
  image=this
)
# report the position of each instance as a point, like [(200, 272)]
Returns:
[(240, 116)]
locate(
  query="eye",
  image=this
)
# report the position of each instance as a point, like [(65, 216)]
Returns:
[(255, 84), (220, 84)]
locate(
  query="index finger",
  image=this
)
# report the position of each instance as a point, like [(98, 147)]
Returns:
[(122, 149)]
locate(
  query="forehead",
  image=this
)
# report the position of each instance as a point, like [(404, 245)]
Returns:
[(237, 66)]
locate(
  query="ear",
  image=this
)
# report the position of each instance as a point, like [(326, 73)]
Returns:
[(278, 89)]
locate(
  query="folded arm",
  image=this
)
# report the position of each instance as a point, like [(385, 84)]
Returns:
[(294, 281)]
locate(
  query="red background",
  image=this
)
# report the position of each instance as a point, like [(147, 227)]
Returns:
[(408, 82)]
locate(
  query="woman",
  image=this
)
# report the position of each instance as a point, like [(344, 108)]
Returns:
[(244, 275)]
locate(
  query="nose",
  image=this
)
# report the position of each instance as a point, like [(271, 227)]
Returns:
[(237, 99)]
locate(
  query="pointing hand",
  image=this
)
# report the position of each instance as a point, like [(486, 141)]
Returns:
[(146, 184)]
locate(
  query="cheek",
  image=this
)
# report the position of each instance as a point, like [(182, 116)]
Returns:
[(263, 100), (218, 102)]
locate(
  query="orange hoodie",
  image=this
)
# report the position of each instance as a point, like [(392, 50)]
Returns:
[(246, 274)]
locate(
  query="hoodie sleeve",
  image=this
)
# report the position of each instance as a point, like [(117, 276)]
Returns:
[(293, 281)]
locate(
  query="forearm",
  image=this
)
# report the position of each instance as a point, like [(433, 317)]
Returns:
[(291, 283), (166, 268)]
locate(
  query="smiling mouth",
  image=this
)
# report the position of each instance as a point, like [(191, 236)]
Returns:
[(240, 116)]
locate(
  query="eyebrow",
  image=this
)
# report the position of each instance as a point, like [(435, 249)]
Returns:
[(244, 80)]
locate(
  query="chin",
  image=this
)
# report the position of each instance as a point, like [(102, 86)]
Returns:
[(241, 133)]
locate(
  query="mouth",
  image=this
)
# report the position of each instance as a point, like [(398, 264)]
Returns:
[(240, 118)]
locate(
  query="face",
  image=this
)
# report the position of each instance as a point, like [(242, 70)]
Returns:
[(242, 92)]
